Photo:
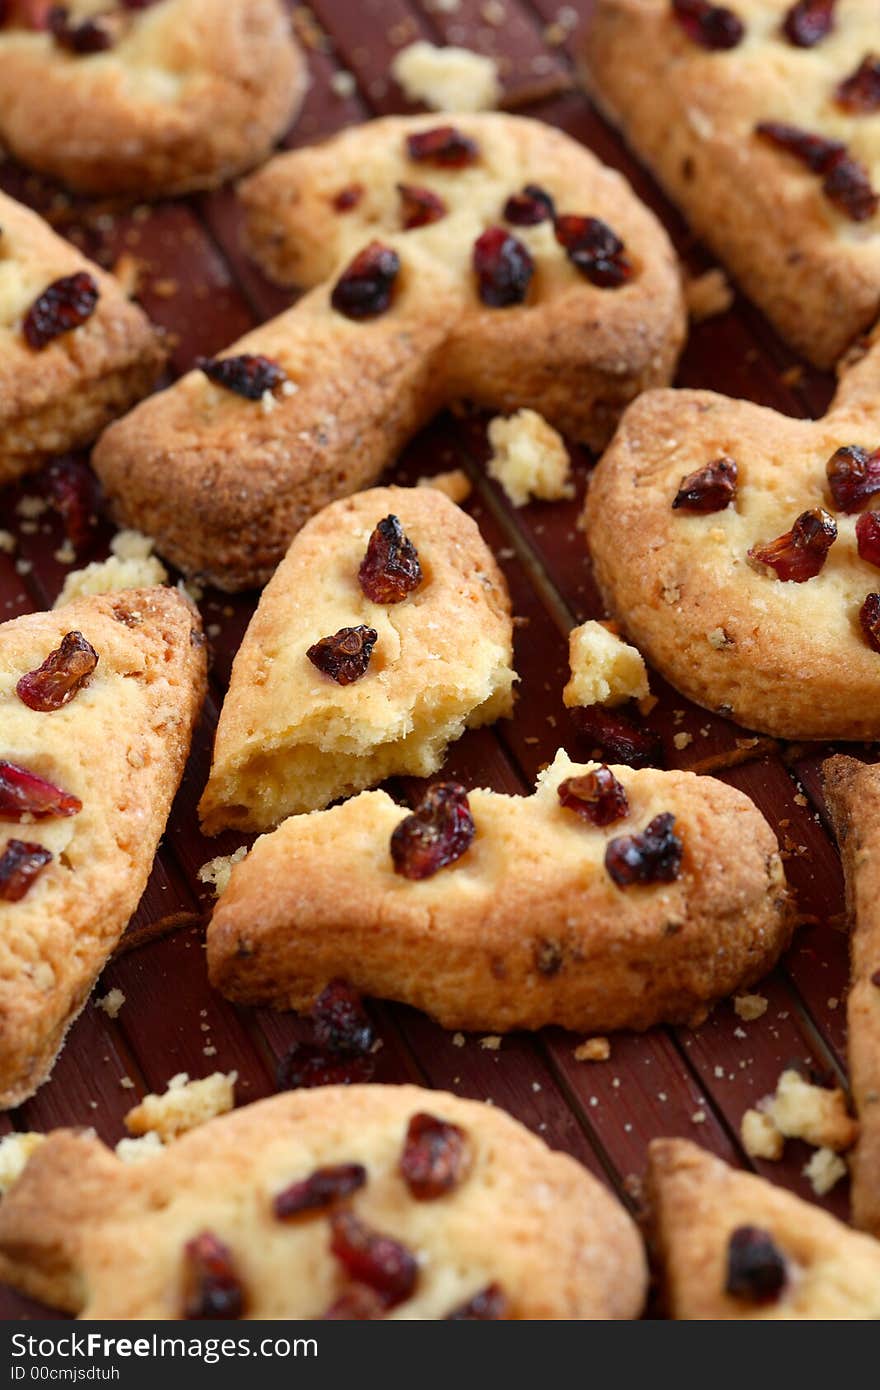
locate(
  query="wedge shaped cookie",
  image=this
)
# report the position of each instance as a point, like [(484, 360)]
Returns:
[(675, 898), (151, 97), (436, 279), (766, 131), (434, 652), (74, 352), (97, 705), (272, 1212), (731, 1245), (739, 550), (852, 791)]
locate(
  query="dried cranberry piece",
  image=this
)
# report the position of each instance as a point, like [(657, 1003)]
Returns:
[(711, 26), (342, 1024), (419, 206), (250, 375), (444, 146), (213, 1288), (438, 832), (20, 864), (503, 267), (875, 978), (138, 4), (654, 856), (853, 477), (320, 1190), (868, 537), (618, 736), (756, 1270), (595, 249), (64, 305), (816, 151), (64, 672), (808, 22), (24, 793), (869, 617), (364, 289), (345, 656), (860, 92), (348, 197), (73, 492), (529, 207), (390, 569), (89, 36), (357, 1304), (370, 1258), (846, 182), (596, 795), (708, 489), (435, 1157), (489, 1305), (304, 1066), (800, 553)]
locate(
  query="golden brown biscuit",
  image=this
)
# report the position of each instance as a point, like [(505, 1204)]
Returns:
[(184, 94), (223, 483), (691, 112), (58, 396), (118, 747), (527, 927), (88, 1234), (731, 1245), (793, 658), (852, 791)]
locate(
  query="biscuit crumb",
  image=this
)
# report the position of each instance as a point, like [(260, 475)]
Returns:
[(707, 295), (7, 543), (343, 84), (458, 1040), (529, 458), (682, 741), (217, 872), (698, 1117), (65, 554), (760, 1137), (455, 484), (15, 1150), (748, 1007), (605, 670), (136, 1150), (31, 507), (132, 565), (183, 1106), (824, 1169), (447, 79), (817, 1114), (491, 1042), (593, 1050), (111, 1003)]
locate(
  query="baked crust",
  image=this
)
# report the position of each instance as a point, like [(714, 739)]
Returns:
[(86, 1233), (289, 738), (62, 396), (784, 658), (120, 745), (697, 1201), (852, 792), (527, 928), (223, 485), (194, 92), (690, 114)]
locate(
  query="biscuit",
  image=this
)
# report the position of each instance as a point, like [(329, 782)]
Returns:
[(102, 1239), (782, 1258), (852, 793), (691, 114), (183, 94), (290, 738), (60, 396), (118, 747), (527, 928), (791, 659), (223, 482)]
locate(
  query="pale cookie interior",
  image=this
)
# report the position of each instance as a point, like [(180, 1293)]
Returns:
[(604, 669)]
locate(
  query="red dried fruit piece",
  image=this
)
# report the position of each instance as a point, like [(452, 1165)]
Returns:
[(816, 151), (596, 795), (64, 672), (711, 26), (435, 1157), (853, 477), (24, 793), (348, 197), (868, 537), (875, 978), (848, 186), (341, 1022), (529, 207), (378, 1261), (708, 489), (654, 856), (365, 287), (756, 1270), (320, 1190), (444, 145), (595, 249), (345, 656), (250, 375), (489, 1305), (211, 1283), (618, 737), (869, 617), (73, 492), (304, 1066), (799, 554), (357, 1304), (503, 267), (20, 865), (390, 569), (439, 831), (64, 305), (88, 36), (419, 206), (808, 22), (860, 92), (846, 183)]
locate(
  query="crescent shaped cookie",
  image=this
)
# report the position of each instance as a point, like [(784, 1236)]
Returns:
[(97, 705), (766, 133), (74, 352), (342, 1202), (291, 738), (149, 99), (540, 915), (735, 547), (409, 314), (731, 1245)]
